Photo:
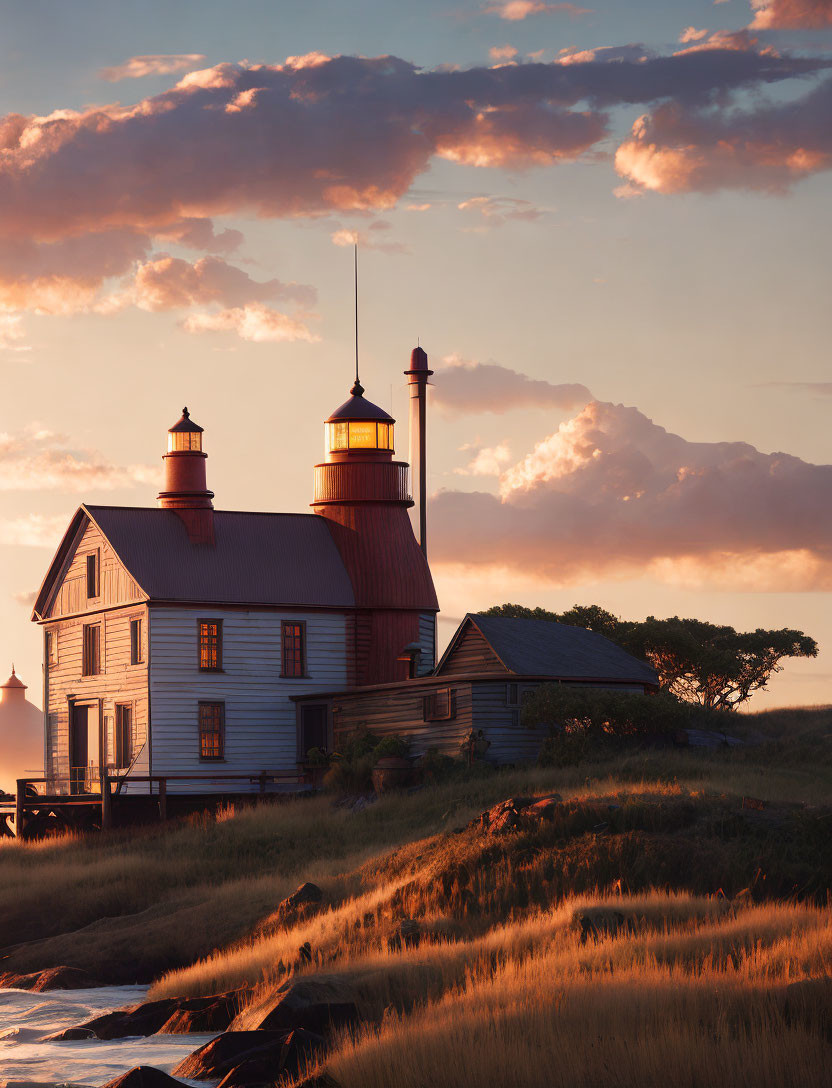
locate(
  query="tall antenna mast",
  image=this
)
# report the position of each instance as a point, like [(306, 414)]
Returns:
[(355, 269)]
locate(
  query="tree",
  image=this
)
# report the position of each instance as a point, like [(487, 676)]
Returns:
[(711, 665)]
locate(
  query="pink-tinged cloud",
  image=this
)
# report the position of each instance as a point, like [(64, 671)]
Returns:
[(486, 460), (736, 41), (611, 493), (313, 136), (38, 460), (201, 234), (768, 147), (33, 530), (792, 14), (502, 52), (371, 238), (255, 322), (517, 10), (495, 210), (170, 283), (26, 599), (12, 333), (462, 387), (64, 276), (151, 64)]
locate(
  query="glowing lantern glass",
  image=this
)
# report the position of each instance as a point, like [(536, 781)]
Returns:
[(184, 440), (359, 434)]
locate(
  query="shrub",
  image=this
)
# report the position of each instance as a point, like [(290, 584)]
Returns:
[(392, 746)]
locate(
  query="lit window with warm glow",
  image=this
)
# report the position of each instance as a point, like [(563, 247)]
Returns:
[(359, 435), (184, 440)]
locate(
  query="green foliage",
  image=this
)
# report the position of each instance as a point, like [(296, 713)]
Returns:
[(317, 757), (711, 665), (392, 746)]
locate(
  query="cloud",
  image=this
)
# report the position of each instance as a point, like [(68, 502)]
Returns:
[(360, 131), (151, 64), (169, 283), (516, 10), (823, 389), (502, 52), (38, 460), (254, 322), (462, 387), (736, 41), (769, 147), (487, 461), (26, 599), (33, 530), (792, 14), (691, 34), (372, 237), (611, 493), (497, 209), (12, 333)]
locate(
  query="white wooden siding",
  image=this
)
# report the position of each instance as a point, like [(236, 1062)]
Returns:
[(116, 586), (260, 719)]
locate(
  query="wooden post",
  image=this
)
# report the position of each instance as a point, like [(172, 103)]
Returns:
[(106, 803), (163, 798), (18, 808)]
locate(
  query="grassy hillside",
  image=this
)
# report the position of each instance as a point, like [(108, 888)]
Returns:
[(712, 970)]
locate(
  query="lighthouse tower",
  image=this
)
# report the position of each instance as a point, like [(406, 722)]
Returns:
[(364, 493), (185, 489), (21, 735)]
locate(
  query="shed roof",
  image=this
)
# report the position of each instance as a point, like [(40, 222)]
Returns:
[(545, 648), (257, 558)]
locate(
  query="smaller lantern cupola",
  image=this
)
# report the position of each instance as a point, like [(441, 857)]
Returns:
[(185, 489)]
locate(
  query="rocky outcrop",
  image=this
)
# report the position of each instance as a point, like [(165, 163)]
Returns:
[(228, 1051), (168, 1016), (296, 1055), (317, 1003), (53, 978), (143, 1076), (517, 814)]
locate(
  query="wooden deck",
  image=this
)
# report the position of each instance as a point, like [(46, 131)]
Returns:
[(30, 813)]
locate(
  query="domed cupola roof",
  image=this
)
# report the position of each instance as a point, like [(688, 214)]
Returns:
[(14, 681), (357, 407)]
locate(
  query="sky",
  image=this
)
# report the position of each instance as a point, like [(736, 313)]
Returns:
[(607, 224)]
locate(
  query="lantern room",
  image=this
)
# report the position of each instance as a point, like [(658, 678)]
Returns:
[(185, 435), (359, 426)]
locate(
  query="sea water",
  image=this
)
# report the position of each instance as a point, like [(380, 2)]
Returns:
[(27, 1018)]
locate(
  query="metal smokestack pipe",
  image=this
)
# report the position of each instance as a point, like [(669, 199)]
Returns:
[(417, 378)]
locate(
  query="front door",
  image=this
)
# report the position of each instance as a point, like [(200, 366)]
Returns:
[(78, 747), (313, 729)]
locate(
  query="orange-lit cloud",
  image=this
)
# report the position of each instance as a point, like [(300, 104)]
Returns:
[(38, 460), (254, 322), (502, 52), (463, 387), (611, 493), (486, 461), (33, 530), (151, 64), (371, 238), (169, 283), (497, 209), (517, 10), (768, 147), (12, 333), (792, 14)]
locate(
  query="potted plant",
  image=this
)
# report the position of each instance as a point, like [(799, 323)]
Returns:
[(392, 769)]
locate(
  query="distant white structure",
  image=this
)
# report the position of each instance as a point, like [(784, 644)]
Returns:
[(21, 735)]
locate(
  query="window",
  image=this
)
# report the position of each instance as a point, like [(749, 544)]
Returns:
[(512, 694), (124, 735), (92, 649), (93, 587), (52, 647), (294, 649), (210, 644), (212, 730), (136, 642), (440, 705)]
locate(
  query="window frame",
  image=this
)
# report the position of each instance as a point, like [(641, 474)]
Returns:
[(118, 714), (95, 570), (51, 654), (429, 705), (136, 655), (304, 673), (220, 731), (218, 667), (85, 650)]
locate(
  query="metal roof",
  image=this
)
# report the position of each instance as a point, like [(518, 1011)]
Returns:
[(546, 648), (267, 559), (358, 408), (185, 423)]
